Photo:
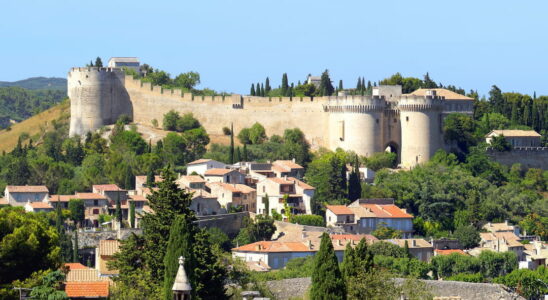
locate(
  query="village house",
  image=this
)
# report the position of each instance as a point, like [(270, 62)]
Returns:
[(224, 175), (448, 252), (234, 195), (204, 204), (103, 254), (62, 200), (95, 204), (193, 182), (200, 166), (276, 254), (19, 195), (283, 168), (111, 191), (499, 242), (419, 248), (535, 255), (298, 194), (364, 216), (502, 227), (85, 283), (141, 181), (38, 207), (516, 138)]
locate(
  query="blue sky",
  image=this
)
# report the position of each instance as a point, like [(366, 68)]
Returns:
[(472, 44)]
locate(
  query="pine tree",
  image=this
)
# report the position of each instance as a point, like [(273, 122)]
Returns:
[(98, 62), (340, 85), (252, 91), (75, 256), (244, 153), (285, 85), (231, 149), (180, 243), (132, 214), (327, 281)]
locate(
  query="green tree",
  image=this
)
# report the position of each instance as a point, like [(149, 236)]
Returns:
[(310, 220), (326, 87), (468, 236), (459, 128), (187, 80), (252, 91), (499, 143), (50, 287), (170, 120), (244, 153), (118, 211), (187, 122), (132, 214), (349, 266), (327, 173), (354, 182), (267, 87), (530, 284), (285, 85), (534, 224), (257, 134), (98, 62), (231, 153), (381, 160), (77, 210), (327, 282), (383, 232), (341, 85), (75, 254)]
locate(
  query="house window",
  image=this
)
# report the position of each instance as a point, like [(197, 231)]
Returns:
[(95, 211), (95, 202), (198, 207)]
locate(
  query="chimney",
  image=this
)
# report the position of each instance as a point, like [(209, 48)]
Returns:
[(293, 159), (489, 224), (309, 244), (303, 235), (339, 242), (506, 222), (414, 243), (258, 247)]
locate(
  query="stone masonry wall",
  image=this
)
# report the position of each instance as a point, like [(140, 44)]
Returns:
[(527, 157)]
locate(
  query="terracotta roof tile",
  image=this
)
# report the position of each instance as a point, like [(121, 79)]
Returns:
[(138, 198), (340, 209), (217, 172), (274, 246), (108, 247), (75, 266), (43, 205), (27, 189), (288, 163), (301, 184), (87, 289), (449, 251), (192, 178), (514, 133), (355, 237), (107, 187), (199, 161), (419, 243), (279, 180), (89, 196), (449, 95), (61, 198), (386, 211)]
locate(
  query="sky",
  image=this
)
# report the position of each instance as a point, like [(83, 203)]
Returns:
[(470, 44)]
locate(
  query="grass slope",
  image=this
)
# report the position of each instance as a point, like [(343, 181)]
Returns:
[(34, 126), (38, 83)]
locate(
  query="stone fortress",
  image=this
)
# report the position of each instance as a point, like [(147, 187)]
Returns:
[(408, 124)]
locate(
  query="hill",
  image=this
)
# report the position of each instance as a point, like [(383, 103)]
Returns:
[(18, 104), (34, 126), (38, 83)]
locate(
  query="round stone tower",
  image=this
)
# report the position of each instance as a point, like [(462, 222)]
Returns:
[(421, 131), (97, 98), (356, 123)]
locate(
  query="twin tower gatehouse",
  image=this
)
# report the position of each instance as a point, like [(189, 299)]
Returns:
[(388, 120)]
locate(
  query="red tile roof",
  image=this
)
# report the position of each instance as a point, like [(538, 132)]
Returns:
[(75, 266), (27, 189), (108, 247), (279, 180), (107, 187), (138, 198), (217, 172), (61, 198), (449, 251), (273, 246), (301, 184), (340, 209), (355, 237), (387, 211), (89, 196), (288, 163), (87, 289), (40, 205), (192, 178), (199, 161)]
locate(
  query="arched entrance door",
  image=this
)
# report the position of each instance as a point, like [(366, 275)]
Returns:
[(392, 147)]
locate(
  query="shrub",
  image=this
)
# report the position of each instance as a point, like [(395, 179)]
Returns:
[(310, 220), (154, 123), (466, 277), (226, 131)]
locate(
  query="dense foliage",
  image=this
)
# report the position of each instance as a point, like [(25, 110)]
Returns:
[(18, 104)]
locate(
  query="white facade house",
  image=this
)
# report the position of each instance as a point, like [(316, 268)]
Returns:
[(38, 207), (299, 195), (517, 138), (19, 195), (224, 176), (200, 166), (124, 62)]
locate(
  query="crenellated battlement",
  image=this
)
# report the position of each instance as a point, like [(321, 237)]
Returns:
[(93, 69), (418, 103)]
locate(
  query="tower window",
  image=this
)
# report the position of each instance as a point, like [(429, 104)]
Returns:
[(407, 118), (377, 121), (395, 120)]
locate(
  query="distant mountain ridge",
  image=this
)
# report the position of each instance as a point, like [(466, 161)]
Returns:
[(38, 83)]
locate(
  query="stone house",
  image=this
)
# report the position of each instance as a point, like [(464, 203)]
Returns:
[(298, 193), (111, 191), (224, 175), (19, 195), (141, 181), (124, 62), (103, 254), (419, 248), (287, 168), (502, 227), (38, 207), (517, 138), (535, 255), (500, 242), (234, 195), (95, 205), (368, 215), (62, 200), (200, 166), (86, 283), (204, 204), (193, 182)]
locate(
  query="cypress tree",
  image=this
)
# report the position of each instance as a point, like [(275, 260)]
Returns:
[(369, 85), (267, 87), (180, 243), (128, 182), (231, 150), (349, 267), (263, 93), (354, 184), (252, 91), (359, 84), (91, 63), (258, 90), (406, 250), (363, 256), (75, 256), (291, 93), (285, 85), (326, 88), (118, 212), (244, 154), (132, 214), (150, 177), (327, 282), (340, 85), (237, 155), (98, 62)]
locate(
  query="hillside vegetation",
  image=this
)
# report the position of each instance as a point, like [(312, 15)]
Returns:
[(38, 83), (18, 104), (35, 126)]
